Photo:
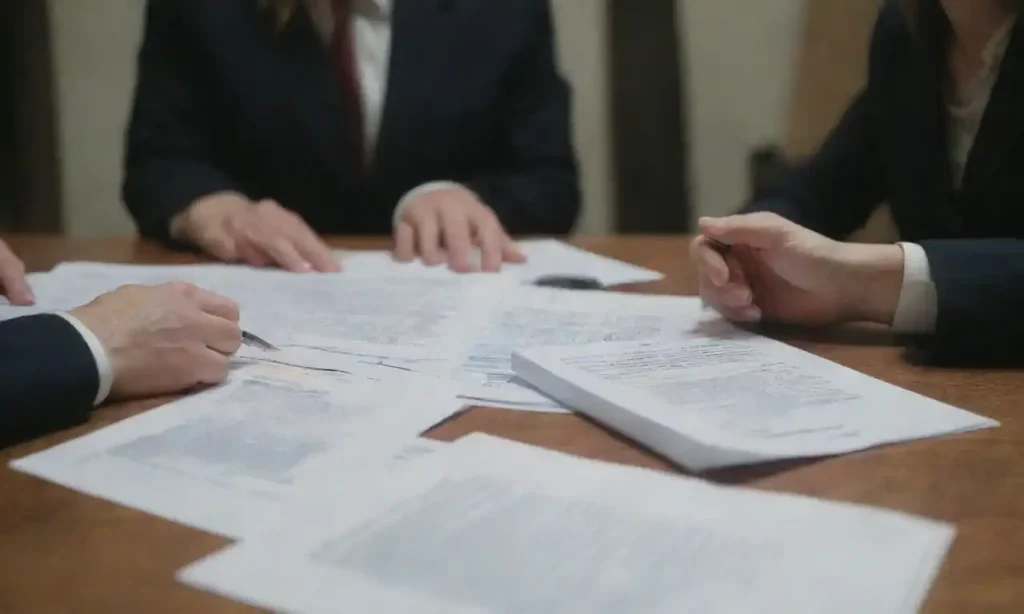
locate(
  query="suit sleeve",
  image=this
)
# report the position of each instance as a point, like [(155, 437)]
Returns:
[(535, 188), (980, 294), (836, 190), (170, 162), (48, 377)]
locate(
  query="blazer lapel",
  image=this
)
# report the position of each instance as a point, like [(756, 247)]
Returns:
[(925, 116), (1003, 123), (421, 36)]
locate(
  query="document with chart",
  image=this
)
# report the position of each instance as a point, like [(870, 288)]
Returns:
[(218, 460), (530, 317), (486, 525), (723, 396)]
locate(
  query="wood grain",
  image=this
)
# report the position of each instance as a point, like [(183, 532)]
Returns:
[(65, 552)]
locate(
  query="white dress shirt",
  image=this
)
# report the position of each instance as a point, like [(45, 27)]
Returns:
[(104, 369), (918, 304), (371, 39)]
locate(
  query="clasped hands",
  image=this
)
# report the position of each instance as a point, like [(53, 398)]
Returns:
[(438, 226)]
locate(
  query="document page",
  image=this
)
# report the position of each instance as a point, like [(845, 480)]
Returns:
[(218, 460), (533, 317), (738, 391), (490, 526), (411, 317), (544, 257)]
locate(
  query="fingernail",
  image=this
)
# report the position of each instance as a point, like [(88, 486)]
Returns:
[(305, 267), (752, 314)]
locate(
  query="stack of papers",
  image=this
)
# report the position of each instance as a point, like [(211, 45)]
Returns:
[(721, 396), (486, 525)]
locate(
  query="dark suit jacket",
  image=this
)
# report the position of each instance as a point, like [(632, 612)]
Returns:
[(48, 377), (225, 103), (891, 147)]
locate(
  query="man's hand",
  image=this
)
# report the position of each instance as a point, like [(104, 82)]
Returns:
[(230, 227), (12, 278), (447, 224), (775, 270), (163, 339)]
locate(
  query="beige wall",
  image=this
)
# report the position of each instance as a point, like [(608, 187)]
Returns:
[(95, 43), (741, 61)]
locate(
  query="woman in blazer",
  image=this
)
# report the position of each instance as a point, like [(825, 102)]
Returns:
[(937, 134), (260, 124)]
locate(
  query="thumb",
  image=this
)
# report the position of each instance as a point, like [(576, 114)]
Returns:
[(757, 230)]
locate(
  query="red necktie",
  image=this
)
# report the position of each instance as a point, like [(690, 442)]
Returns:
[(348, 72)]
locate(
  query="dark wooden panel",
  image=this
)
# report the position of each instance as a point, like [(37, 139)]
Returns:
[(649, 148), (30, 180)]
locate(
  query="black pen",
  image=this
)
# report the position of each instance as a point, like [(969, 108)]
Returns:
[(256, 342), (718, 246)]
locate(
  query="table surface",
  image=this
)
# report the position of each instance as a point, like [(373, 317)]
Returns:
[(65, 552)]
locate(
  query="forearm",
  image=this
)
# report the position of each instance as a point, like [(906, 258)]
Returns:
[(50, 378)]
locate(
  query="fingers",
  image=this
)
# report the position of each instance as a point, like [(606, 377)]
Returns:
[(510, 251), (491, 240), (428, 239), (224, 336), (455, 230), (215, 304), (709, 262), (757, 230), (405, 242), (211, 367), (12, 278), (316, 252)]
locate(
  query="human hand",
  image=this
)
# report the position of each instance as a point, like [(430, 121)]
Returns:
[(12, 278), (232, 228), (163, 339), (447, 224), (778, 271)]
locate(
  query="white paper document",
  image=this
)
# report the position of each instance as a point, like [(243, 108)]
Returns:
[(403, 317), (220, 459), (544, 257), (723, 396), (532, 317), (490, 526)]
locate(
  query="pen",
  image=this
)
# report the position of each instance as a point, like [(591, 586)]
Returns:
[(718, 246), (256, 342)]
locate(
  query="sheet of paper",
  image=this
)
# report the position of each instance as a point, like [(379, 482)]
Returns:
[(544, 257), (531, 317), (219, 460), (410, 317), (723, 396), (487, 525)]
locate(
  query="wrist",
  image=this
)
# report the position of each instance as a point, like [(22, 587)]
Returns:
[(870, 282)]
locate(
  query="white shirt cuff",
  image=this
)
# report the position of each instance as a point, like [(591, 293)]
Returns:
[(416, 192), (103, 366), (918, 305)]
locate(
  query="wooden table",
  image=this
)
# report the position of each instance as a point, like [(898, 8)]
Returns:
[(65, 552)]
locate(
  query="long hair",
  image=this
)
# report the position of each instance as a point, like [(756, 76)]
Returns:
[(281, 10)]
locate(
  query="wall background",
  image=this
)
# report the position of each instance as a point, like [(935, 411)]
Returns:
[(740, 56)]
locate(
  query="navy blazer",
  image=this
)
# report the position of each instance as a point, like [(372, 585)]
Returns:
[(226, 101), (48, 377), (891, 147)]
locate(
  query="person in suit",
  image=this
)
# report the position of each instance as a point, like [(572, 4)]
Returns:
[(260, 124), (938, 133), (135, 342)]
